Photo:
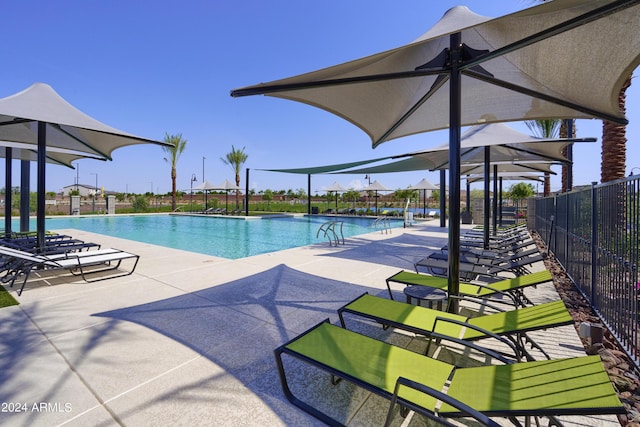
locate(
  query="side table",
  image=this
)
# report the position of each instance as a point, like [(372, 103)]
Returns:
[(425, 293)]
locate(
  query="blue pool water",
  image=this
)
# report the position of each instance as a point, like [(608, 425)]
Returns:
[(222, 237)]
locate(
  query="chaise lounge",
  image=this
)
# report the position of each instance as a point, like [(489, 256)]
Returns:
[(84, 264), (510, 326), (513, 287), (574, 386)]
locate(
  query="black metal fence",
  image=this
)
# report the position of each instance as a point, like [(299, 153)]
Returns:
[(594, 234)]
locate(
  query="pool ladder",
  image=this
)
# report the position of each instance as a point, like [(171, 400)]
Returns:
[(382, 223), (333, 231)]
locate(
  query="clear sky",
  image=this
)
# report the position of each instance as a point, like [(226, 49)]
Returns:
[(150, 67)]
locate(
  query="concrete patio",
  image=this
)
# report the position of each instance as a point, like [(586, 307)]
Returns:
[(188, 339)]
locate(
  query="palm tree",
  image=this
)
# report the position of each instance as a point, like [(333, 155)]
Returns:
[(235, 159), (173, 154), (547, 128), (614, 142)]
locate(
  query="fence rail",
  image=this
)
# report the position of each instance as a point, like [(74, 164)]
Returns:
[(594, 234)]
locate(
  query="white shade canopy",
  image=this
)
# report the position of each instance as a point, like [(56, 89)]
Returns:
[(206, 185), (336, 187), (227, 185), (423, 184), (511, 71), (67, 127), (376, 186), (56, 156)]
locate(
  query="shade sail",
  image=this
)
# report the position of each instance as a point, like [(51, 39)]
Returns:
[(510, 150), (312, 170), (67, 127), (509, 71), (509, 176)]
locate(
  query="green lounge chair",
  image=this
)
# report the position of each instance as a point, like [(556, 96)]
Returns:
[(575, 386), (513, 287), (509, 327)]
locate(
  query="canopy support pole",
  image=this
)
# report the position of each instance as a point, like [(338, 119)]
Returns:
[(25, 192), (7, 191), (487, 202), (455, 123), (42, 163), (246, 195), (500, 204), (495, 200), (443, 200), (308, 194)]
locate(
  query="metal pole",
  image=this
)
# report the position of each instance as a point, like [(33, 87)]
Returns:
[(7, 191), (42, 168), (495, 200), (443, 200), (308, 194), (455, 123), (594, 241), (25, 192), (246, 195), (487, 201), (203, 159)]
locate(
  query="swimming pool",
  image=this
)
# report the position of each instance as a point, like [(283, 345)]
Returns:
[(223, 237)]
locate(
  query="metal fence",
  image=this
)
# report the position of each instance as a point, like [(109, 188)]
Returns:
[(594, 234)]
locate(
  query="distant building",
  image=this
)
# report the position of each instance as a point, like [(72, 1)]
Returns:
[(85, 190)]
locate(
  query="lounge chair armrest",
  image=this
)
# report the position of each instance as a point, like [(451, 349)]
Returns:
[(465, 409), (517, 356)]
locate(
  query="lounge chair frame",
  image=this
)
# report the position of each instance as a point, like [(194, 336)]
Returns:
[(549, 388), (512, 289), (515, 338), (82, 264)]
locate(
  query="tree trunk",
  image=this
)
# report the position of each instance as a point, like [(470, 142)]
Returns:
[(614, 142), (564, 133), (173, 188), (237, 191)]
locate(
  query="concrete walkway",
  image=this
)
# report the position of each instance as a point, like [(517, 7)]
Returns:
[(188, 339)]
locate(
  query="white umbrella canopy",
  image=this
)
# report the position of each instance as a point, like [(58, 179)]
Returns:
[(336, 187), (376, 186), (227, 186), (562, 59), (423, 184)]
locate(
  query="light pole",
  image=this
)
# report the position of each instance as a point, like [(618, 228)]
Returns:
[(193, 179), (95, 193)]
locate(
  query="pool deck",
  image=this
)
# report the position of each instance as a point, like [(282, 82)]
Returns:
[(188, 339)]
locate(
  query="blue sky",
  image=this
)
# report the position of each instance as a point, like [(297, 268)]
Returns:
[(150, 67)]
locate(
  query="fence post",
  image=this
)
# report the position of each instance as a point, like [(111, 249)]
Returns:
[(594, 242)]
